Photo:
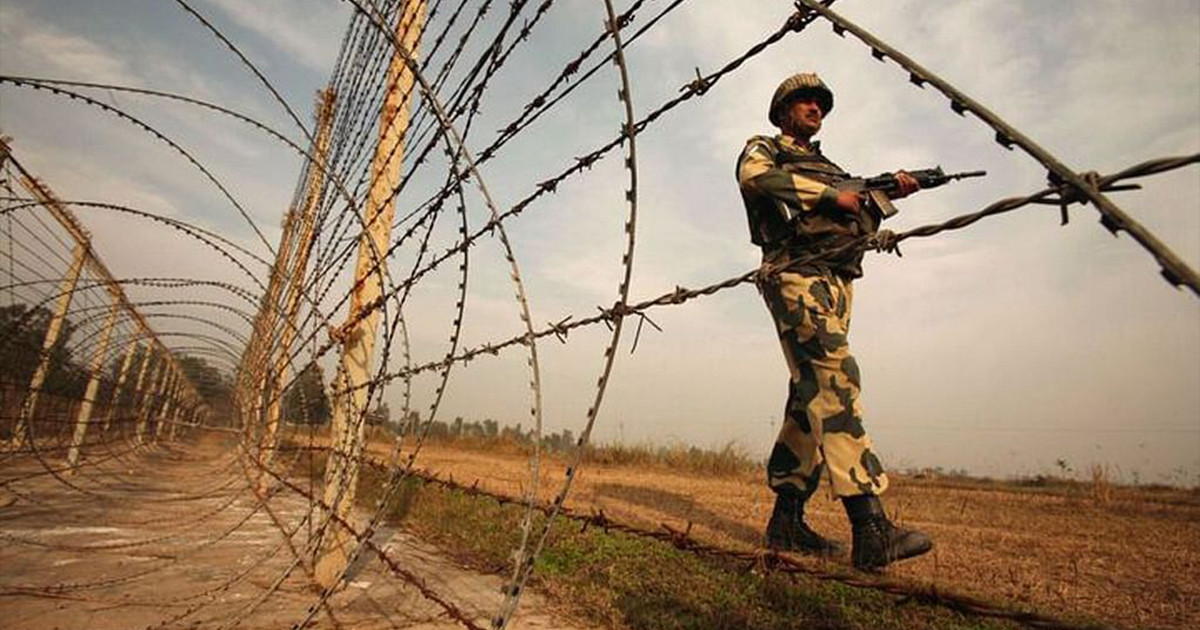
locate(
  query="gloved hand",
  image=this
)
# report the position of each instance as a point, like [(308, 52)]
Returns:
[(885, 241)]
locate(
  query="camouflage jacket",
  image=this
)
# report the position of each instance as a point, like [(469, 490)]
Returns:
[(791, 206)]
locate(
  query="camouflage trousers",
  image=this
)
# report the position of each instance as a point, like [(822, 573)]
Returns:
[(822, 424)]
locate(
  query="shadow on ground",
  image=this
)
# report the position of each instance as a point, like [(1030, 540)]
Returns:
[(680, 506)]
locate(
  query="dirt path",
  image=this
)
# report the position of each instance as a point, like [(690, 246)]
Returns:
[(172, 538), (1133, 561)]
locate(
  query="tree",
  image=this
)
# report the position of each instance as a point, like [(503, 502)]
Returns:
[(127, 396), (410, 423), (213, 386), (305, 401), (22, 332)]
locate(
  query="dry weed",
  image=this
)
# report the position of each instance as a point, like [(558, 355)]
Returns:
[(1101, 484)]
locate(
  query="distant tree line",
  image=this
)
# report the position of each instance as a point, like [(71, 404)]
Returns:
[(214, 386), (22, 333), (306, 402), (488, 429)]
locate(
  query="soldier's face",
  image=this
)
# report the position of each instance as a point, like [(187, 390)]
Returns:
[(805, 116)]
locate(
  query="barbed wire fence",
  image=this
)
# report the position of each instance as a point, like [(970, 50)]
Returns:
[(96, 391)]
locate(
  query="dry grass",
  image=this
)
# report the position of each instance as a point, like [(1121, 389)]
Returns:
[(730, 459), (1124, 554), (1101, 486), (1129, 555), (630, 583)]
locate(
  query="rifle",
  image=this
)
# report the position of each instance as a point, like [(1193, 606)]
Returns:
[(876, 189)]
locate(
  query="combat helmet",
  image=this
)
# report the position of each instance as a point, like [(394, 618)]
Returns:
[(805, 82)]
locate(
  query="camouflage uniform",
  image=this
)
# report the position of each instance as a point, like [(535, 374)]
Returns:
[(792, 213)]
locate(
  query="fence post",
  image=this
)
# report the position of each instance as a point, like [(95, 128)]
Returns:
[(122, 375), (358, 334), (170, 391), (66, 292), (180, 410), (295, 279), (84, 416), (153, 391), (139, 384)]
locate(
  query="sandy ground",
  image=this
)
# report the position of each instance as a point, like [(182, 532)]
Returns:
[(1133, 561), (173, 538)]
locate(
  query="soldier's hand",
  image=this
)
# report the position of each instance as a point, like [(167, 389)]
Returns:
[(908, 185), (885, 241), (849, 201)]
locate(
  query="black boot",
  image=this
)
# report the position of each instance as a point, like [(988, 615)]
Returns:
[(877, 542), (787, 531)]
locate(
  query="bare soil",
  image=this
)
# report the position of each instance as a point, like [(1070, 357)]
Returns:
[(1131, 558)]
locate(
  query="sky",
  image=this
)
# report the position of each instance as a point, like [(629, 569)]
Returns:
[(1000, 350)]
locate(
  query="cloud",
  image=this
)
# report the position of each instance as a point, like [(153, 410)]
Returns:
[(1012, 321), (34, 46), (298, 28), (966, 312)]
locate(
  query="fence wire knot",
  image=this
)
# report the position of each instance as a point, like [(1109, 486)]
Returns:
[(679, 296), (680, 539), (766, 275), (698, 86), (560, 330), (619, 310), (798, 20), (1068, 193)]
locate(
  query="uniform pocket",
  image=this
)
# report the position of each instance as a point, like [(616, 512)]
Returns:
[(818, 294), (797, 300)]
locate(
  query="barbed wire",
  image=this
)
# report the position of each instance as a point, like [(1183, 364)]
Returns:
[(296, 292), (766, 560), (562, 329), (523, 562), (1074, 184)]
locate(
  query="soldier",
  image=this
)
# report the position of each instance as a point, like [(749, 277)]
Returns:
[(794, 212)]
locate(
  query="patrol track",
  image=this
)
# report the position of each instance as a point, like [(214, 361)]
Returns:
[(278, 334)]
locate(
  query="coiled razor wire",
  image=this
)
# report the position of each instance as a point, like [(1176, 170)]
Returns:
[(523, 563), (332, 216)]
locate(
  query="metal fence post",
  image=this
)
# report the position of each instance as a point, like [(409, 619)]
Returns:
[(170, 391)]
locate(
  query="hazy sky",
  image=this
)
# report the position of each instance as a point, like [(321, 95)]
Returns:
[(999, 349)]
